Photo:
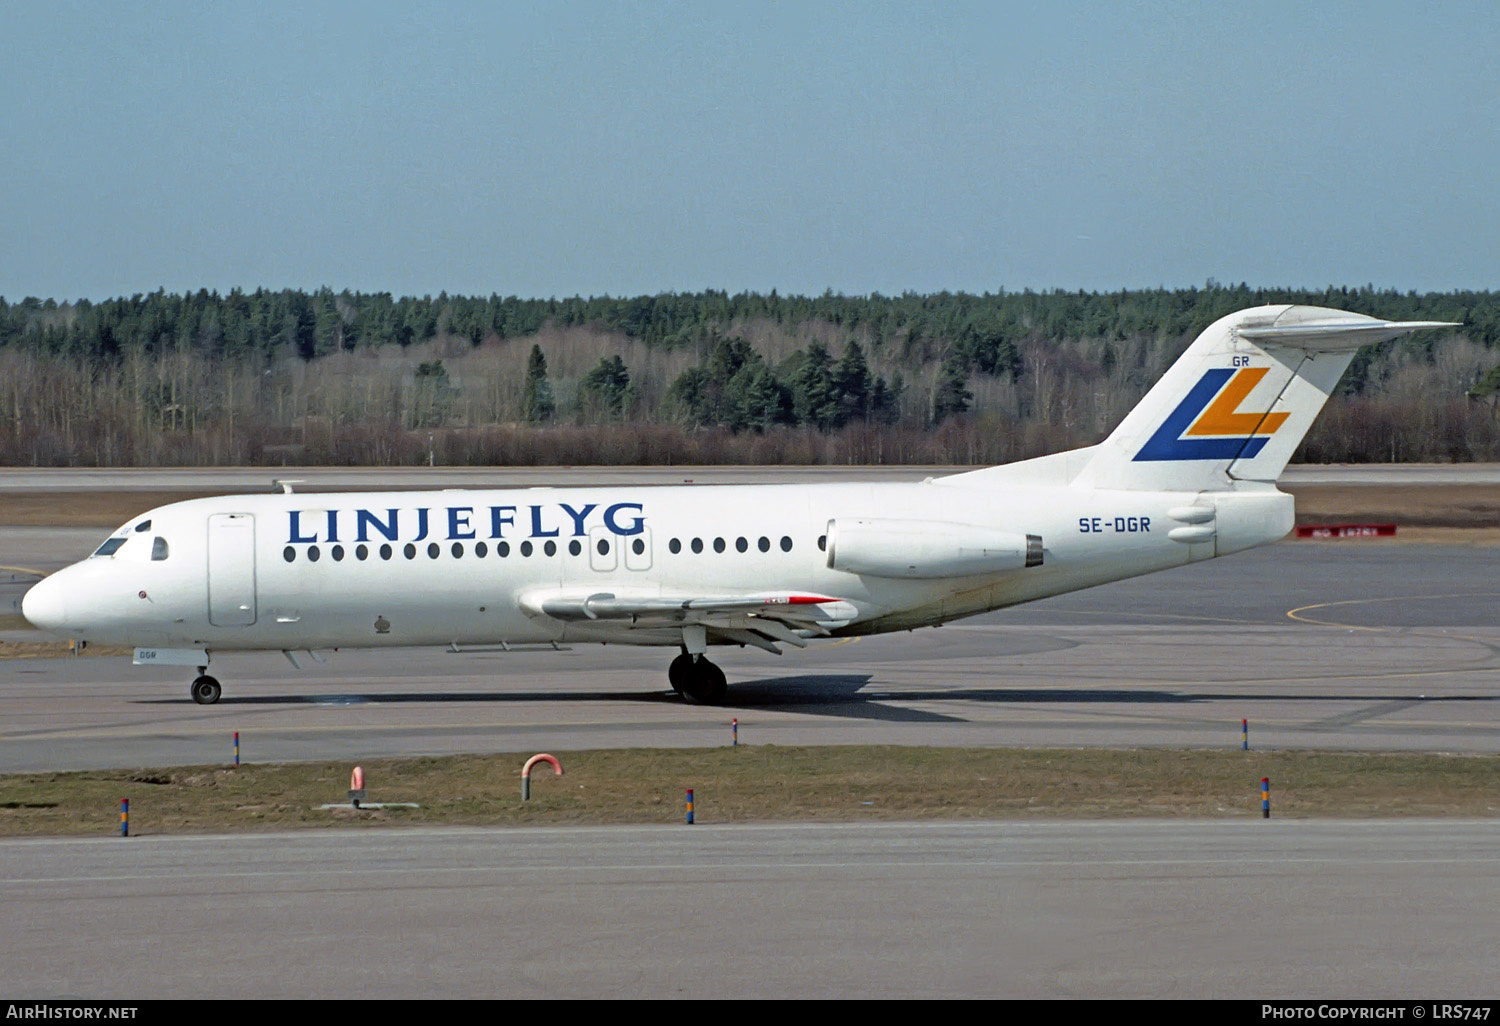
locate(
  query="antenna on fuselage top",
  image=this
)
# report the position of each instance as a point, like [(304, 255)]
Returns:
[(286, 485)]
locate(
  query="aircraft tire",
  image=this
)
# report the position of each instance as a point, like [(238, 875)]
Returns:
[(680, 672), (206, 690), (706, 684)]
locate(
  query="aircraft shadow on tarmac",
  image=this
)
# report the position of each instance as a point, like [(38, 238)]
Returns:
[(840, 695), (843, 696), (829, 694)]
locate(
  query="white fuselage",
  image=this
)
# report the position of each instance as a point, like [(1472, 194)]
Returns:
[(330, 570)]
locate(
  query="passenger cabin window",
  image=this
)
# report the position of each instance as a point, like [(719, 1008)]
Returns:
[(158, 549), (109, 547)]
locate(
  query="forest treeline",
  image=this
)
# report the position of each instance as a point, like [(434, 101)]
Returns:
[(275, 377)]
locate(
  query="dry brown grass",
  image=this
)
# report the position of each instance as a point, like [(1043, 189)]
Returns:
[(56, 649), (759, 784), (1467, 506)]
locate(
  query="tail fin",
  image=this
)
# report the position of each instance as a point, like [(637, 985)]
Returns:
[(1237, 403)]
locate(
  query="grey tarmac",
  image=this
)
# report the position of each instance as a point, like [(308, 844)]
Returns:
[(1361, 645), (1245, 909)]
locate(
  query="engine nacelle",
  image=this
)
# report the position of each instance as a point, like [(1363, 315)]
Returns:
[(924, 548)]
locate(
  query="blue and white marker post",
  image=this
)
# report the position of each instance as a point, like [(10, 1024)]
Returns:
[(1265, 797), (690, 806), (124, 817)]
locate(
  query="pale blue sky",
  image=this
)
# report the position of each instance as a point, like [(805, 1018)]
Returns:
[(588, 148)]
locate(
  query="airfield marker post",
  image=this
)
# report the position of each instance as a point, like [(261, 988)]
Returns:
[(236, 748), (1245, 735), (690, 806), (734, 727), (1265, 797), (124, 817)]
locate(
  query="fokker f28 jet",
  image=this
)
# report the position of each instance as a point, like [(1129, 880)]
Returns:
[(1189, 474)]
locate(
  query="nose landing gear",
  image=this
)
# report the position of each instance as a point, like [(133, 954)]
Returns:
[(205, 689), (697, 680)]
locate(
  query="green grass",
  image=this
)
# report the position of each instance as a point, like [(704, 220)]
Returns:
[(758, 784)]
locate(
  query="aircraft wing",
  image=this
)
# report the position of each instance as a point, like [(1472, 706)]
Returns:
[(761, 619)]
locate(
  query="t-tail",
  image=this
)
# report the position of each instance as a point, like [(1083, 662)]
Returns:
[(1237, 403)]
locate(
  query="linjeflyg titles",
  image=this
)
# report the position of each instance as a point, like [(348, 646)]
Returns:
[(461, 523)]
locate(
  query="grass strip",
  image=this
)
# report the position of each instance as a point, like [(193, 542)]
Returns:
[(760, 783)]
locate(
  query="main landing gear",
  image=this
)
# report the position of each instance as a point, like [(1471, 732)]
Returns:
[(697, 680), (205, 689)]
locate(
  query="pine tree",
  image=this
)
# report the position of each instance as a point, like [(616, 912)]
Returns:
[(885, 400), (951, 394), (813, 395), (765, 400), (537, 405), (851, 380), (606, 386)]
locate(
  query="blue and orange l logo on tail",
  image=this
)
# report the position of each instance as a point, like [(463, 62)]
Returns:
[(1208, 424)]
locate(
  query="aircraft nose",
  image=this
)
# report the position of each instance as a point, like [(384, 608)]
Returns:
[(44, 605)]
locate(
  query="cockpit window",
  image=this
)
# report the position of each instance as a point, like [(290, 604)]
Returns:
[(109, 547), (158, 548), (143, 526)]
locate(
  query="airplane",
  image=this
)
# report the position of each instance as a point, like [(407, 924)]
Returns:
[(1189, 474)]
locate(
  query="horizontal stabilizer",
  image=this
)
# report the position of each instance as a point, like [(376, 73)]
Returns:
[(1332, 338), (1238, 402)]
